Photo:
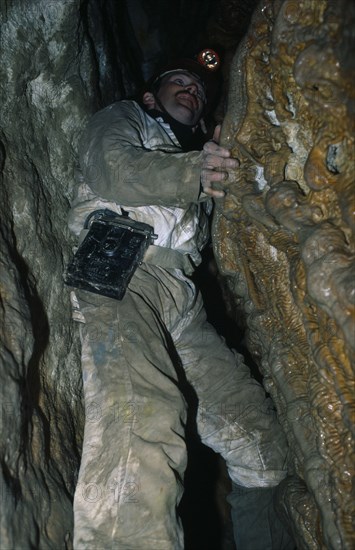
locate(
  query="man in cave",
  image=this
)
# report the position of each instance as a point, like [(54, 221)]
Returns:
[(145, 160)]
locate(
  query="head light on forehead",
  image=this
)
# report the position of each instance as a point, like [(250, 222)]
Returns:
[(209, 59)]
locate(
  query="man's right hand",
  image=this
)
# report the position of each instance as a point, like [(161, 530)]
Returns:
[(216, 162)]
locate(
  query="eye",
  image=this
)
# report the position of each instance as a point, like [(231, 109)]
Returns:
[(179, 81)]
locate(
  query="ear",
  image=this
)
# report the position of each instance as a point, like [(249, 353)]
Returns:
[(149, 100)]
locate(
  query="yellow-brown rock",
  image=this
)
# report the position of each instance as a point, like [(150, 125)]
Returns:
[(284, 239)]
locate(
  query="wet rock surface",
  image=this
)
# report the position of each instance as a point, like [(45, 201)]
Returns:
[(284, 239)]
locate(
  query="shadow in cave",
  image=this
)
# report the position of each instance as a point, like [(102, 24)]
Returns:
[(204, 510), (30, 382), (198, 510)]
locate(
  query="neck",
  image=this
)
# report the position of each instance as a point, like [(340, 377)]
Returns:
[(191, 138), (160, 107)]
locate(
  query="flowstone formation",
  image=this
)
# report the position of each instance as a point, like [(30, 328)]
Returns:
[(284, 240)]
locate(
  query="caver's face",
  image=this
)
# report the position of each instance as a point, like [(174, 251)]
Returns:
[(182, 95)]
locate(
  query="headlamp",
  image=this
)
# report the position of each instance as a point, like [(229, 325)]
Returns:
[(209, 59)]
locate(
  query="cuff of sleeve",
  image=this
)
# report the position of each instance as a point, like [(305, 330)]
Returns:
[(189, 191), (252, 478)]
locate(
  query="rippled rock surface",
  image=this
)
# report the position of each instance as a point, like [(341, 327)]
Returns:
[(284, 240), (45, 100)]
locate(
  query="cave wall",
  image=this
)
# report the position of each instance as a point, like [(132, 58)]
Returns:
[(284, 241), (283, 238), (47, 82)]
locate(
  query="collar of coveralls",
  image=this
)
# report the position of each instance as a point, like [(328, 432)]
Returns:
[(189, 140)]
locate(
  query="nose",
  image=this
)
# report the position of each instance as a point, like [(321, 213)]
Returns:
[(192, 88)]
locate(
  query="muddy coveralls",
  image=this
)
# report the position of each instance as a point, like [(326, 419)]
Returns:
[(136, 352)]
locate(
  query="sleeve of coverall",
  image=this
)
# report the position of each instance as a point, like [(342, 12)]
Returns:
[(130, 174)]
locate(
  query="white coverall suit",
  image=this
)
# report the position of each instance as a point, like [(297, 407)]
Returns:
[(136, 352)]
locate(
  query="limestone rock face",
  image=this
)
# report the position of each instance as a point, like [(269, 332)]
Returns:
[(46, 99), (284, 239)]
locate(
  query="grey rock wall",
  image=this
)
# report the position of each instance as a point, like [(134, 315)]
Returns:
[(46, 82)]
